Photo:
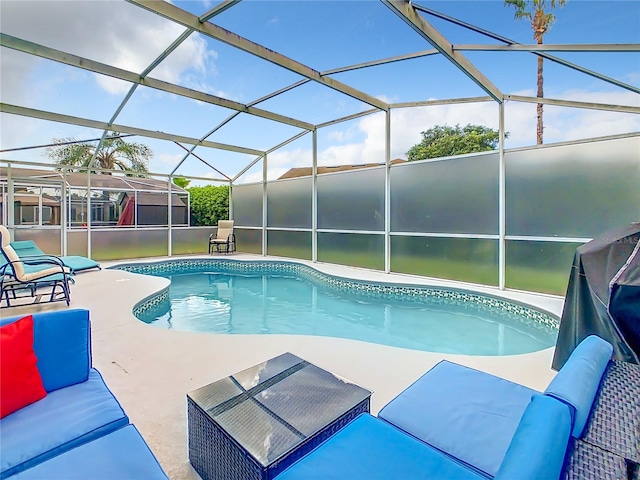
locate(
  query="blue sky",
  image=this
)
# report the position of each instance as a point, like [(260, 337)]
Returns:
[(322, 35)]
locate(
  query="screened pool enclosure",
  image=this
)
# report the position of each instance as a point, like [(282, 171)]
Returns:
[(239, 93)]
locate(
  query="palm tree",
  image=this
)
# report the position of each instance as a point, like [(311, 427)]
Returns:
[(115, 154), (541, 21)]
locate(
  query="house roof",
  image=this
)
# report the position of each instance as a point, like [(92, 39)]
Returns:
[(308, 171), (111, 182), (156, 199)]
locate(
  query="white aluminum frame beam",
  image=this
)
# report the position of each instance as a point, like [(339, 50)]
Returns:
[(190, 152), (128, 76), (288, 141), (384, 61), (548, 47), (218, 9), (58, 117), (189, 20), (405, 10), (348, 117), (446, 101), (572, 103)]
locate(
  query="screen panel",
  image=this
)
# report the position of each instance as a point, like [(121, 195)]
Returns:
[(464, 259), (539, 266), (352, 200), (358, 250), (458, 195), (118, 244), (248, 240), (47, 239), (289, 203), (77, 242), (578, 190), (247, 205), (190, 240), (289, 244)]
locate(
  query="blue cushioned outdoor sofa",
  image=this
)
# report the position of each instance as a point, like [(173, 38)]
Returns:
[(78, 430), (458, 423)]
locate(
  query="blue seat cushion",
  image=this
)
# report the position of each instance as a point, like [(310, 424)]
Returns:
[(77, 263), (466, 413), (579, 379), (369, 449), (539, 445), (60, 421), (120, 455)]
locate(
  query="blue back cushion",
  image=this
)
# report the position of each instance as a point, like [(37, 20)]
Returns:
[(578, 380), (26, 247), (62, 344), (538, 447)]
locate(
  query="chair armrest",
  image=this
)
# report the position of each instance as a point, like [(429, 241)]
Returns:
[(578, 381), (537, 450), (42, 260)]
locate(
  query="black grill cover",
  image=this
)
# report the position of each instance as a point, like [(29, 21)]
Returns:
[(603, 296)]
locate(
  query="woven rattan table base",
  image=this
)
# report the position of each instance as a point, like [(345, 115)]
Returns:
[(216, 456), (588, 462), (614, 424)]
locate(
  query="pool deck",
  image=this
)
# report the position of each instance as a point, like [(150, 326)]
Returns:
[(150, 369)]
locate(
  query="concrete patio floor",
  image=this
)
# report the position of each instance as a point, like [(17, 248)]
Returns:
[(150, 369)]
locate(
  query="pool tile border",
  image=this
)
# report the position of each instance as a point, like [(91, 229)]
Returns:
[(443, 296)]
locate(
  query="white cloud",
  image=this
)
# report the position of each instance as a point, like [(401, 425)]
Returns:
[(166, 161), (189, 63), (115, 33), (279, 162)]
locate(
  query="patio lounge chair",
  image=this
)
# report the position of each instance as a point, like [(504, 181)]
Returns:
[(75, 263), (224, 240), (34, 278)]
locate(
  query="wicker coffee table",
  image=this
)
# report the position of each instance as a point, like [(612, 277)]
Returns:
[(254, 424)]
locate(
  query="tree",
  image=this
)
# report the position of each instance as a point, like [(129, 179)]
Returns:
[(541, 21), (181, 182), (115, 154), (209, 204), (444, 141)]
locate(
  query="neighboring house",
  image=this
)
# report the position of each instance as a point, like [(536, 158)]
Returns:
[(28, 209), (152, 209), (308, 171), (37, 199)]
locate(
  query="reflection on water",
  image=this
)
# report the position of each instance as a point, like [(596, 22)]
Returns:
[(272, 304)]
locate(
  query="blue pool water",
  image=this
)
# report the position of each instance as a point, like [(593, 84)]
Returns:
[(446, 321)]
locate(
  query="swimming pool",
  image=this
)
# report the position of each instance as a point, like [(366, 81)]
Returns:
[(260, 297)]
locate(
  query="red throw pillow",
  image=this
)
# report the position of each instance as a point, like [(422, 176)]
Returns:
[(20, 381)]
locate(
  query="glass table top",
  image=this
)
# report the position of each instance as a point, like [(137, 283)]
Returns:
[(274, 406)]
